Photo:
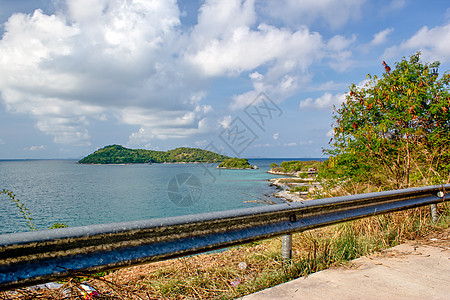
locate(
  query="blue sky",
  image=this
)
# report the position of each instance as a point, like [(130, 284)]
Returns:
[(248, 78)]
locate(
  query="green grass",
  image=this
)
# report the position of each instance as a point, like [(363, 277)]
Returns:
[(302, 188)]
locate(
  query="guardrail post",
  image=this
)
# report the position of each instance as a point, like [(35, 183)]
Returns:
[(286, 246), (434, 214)]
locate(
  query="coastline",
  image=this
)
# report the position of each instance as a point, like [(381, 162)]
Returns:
[(291, 174), (283, 191), (286, 184)]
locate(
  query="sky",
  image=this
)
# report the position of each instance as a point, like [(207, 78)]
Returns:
[(248, 78)]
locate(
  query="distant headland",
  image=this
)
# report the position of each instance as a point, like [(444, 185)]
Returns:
[(117, 154)]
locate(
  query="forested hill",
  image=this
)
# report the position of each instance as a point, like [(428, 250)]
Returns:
[(117, 154)]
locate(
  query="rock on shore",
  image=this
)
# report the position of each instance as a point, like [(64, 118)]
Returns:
[(284, 191)]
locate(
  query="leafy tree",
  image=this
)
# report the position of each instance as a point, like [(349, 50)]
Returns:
[(394, 131), (297, 165)]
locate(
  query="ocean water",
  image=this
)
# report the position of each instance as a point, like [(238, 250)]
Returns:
[(66, 192)]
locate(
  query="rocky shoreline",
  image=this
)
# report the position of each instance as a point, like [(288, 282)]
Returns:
[(293, 174), (298, 184), (302, 187), (283, 191)]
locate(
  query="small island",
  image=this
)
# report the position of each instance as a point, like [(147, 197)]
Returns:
[(236, 164), (117, 154)]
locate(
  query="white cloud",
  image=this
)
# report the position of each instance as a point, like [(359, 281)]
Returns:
[(276, 135), (381, 37), (338, 51), (330, 85), (103, 58), (201, 143), (227, 41), (393, 6), (285, 54), (398, 4), (36, 148), (326, 101), (244, 49), (64, 120), (164, 124), (267, 145), (146, 134), (225, 121), (243, 100), (330, 133), (133, 62), (340, 43), (434, 44), (256, 76), (263, 145), (1, 142), (335, 13), (220, 19)]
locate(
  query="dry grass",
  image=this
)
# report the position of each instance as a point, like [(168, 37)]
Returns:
[(222, 275)]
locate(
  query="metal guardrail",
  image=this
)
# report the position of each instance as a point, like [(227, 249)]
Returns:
[(41, 256)]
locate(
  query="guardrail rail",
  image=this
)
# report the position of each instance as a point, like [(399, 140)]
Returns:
[(36, 257)]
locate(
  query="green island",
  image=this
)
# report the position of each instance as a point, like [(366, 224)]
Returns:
[(117, 154), (236, 163)]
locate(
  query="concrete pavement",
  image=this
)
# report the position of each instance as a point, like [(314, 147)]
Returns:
[(414, 270)]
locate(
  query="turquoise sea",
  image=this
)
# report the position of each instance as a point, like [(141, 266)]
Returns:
[(66, 192)]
